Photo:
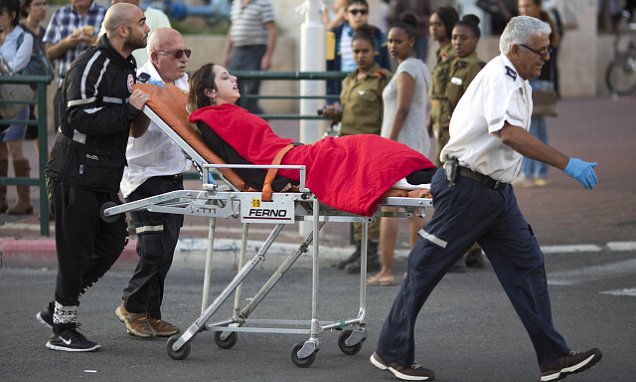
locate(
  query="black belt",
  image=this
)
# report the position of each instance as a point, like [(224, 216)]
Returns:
[(481, 178)]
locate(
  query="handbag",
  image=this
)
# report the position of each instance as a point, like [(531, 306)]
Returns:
[(38, 65), (14, 92), (544, 103)]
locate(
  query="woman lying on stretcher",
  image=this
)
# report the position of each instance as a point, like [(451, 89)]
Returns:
[(348, 173)]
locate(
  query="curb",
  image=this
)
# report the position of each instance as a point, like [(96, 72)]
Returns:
[(192, 252)]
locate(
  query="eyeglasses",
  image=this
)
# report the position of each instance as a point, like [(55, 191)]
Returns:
[(359, 11), (543, 54), (178, 53)]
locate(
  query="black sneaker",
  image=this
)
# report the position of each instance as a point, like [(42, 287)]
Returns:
[(67, 338), (415, 372), (570, 363), (45, 316)]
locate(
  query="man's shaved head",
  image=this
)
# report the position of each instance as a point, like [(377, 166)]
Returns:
[(118, 14)]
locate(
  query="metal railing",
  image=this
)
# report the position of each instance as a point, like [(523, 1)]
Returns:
[(287, 76), (41, 83)]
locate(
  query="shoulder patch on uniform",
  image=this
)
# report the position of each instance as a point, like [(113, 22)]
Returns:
[(382, 73), (510, 72)]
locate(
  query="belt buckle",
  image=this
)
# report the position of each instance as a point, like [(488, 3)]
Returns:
[(496, 186)]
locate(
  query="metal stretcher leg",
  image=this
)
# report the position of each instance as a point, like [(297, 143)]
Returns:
[(178, 346), (208, 265)]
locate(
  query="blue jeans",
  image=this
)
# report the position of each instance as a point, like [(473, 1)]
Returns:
[(531, 168)]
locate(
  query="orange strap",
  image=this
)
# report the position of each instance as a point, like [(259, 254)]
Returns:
[(266, 194)]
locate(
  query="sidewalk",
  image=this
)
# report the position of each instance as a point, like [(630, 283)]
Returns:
[(563, 213)]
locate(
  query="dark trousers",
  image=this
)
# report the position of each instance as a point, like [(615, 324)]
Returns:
[(86, 245), (466, 213), (248, 58), (157, 236)]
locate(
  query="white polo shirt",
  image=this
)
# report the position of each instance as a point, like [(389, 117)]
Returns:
[(497, 94), (154, 153)]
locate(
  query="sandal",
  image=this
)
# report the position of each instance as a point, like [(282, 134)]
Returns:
[(377, 281)]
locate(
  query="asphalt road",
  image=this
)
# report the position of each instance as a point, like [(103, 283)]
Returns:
[(467, 331)]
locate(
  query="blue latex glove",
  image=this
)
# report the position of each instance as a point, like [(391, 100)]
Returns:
[(582, 171)]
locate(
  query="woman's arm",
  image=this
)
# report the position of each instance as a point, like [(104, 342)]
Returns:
[(22, 56), (405, 88)]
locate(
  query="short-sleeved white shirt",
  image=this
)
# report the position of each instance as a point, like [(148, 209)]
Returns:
[(154, 153), (497, 94)]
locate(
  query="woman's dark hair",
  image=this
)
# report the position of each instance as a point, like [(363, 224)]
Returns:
[(363, 2), (24, 8), (408, 23), (11, 6), (365, 32), (472, 22), (449, 17), (200, 81)]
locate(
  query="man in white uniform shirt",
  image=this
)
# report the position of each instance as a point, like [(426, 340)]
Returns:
[(474, 202), (155, 166)]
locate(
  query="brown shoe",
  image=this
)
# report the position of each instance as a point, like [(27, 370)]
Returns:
[(570, 363), (138, 325), (122, 313), (163, 328), (415, 372)]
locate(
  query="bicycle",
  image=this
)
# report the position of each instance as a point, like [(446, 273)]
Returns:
[(620, 75)]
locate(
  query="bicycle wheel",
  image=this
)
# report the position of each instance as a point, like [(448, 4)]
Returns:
[(620, 75)]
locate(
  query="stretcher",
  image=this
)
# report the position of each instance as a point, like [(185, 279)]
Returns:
[(224, 198)]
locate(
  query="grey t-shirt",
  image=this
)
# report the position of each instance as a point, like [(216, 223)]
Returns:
[(413, 133)]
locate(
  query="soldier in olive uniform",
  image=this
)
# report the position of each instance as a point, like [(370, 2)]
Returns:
[(360, 112), (462, 70), (465, 66), (440, 26)]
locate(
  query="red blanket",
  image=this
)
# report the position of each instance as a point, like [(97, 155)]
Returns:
[(347, 173)]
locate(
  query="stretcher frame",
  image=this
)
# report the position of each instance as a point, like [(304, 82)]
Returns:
[(224, 200)]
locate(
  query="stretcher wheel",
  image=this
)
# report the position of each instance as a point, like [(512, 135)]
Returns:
[(227, 342), (301, 362), (111, 218), (180, 354), (348, 350)]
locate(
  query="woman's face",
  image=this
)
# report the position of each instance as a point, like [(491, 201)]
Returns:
[(363, 54), (529, 8), (464, 40), (6, 18), (436, 28), (400, 44), (37, 10), (227, 90)]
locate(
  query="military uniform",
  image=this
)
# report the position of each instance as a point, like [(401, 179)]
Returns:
[(461, 73), (362, 113), (362, 102), (440, 113)]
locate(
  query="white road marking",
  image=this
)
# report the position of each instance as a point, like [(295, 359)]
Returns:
[(621, 292), (593, 273)]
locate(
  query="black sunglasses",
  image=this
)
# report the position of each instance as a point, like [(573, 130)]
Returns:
[(178, 53), (359, 11)]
